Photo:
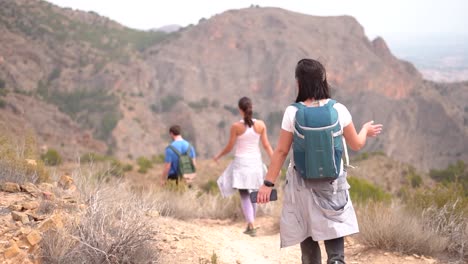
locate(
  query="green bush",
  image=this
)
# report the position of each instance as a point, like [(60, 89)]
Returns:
[(2, 84), (233, 110), (413, 177), (362, 191), (210, 187), (144, 165), (439, 196), (2, 103), (454, 173), (51, 157), (92, 157), (18, 166), (118, 169), (157, 159), (168, 102)]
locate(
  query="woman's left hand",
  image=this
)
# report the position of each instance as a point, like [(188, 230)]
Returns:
[(263, 195)]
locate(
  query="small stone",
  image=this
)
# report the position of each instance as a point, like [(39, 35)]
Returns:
[(35, 217), (10, 187), (46, 187), (15, 207), (18, 216), (34, 237), (29, 188), (31, 162), (153, 213), (48, 196), (176, 239), (12, 251), (31, 205), (53, 222), (66, 182), (409, 258), (386, 254), (173, 247)]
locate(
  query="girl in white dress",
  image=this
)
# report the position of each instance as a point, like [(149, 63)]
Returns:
[(246, 172)]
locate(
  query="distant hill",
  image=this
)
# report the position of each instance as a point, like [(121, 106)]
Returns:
[(126, 87)]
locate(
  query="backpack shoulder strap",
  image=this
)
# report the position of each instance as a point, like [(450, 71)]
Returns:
[(177, 152), (188, 149), (331, 103), (298, 105)]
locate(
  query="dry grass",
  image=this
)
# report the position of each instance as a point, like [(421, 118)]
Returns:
[(14, 166), (395, 229), (114, 227)]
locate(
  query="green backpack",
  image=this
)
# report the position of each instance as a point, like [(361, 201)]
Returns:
[(185, 165), (318, 142)]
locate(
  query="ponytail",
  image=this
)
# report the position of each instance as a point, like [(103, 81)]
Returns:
[(245, 104)]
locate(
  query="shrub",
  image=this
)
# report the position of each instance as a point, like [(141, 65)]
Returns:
[(113, 229), (14, 164), (168, 102), (394, 229), (157, 159), (363, 191), (439, 196), (457, 173), (2, 84), (233, 110), (92, 157), (445, 210), (51, 157), (413, 177), (189, 204), (210, 187), (2, 103), (144, 165)]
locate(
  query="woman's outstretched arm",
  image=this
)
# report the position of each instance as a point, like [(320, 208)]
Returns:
[(279, 156), (357, 141), (230, 145)]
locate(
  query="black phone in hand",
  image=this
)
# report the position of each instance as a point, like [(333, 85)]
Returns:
[(273, 196)]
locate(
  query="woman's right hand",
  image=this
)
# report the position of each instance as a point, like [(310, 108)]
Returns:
[(372, 130), (263, 195)]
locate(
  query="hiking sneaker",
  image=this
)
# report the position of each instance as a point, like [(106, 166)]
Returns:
[(251, 231)]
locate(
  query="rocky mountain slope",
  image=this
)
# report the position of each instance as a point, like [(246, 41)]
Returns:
[(126, 87)]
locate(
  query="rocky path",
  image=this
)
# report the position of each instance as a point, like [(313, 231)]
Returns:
[(201, 240)]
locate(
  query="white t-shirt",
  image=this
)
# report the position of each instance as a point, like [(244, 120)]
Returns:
[(290, 114)]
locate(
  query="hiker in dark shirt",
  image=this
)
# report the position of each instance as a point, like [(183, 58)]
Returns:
[(171, 169)]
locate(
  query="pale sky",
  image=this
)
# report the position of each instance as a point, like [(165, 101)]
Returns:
[(389, 18)]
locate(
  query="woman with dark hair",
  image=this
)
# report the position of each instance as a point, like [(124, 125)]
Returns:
[(315, 209), (246, 172)]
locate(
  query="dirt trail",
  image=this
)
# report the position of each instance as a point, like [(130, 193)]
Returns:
[(197, 241)]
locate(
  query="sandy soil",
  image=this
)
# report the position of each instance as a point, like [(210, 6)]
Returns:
[(199, 240)]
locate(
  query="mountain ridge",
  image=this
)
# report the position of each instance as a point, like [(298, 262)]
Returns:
[(127, 87)]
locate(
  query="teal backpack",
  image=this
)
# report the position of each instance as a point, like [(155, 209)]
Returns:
[(185, 165), (318, 142)]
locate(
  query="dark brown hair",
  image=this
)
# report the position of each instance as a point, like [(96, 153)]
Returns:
[(175, 130), (245, 104), (312, 80)]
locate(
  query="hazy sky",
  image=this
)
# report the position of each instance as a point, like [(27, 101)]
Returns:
[(389, 18)]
